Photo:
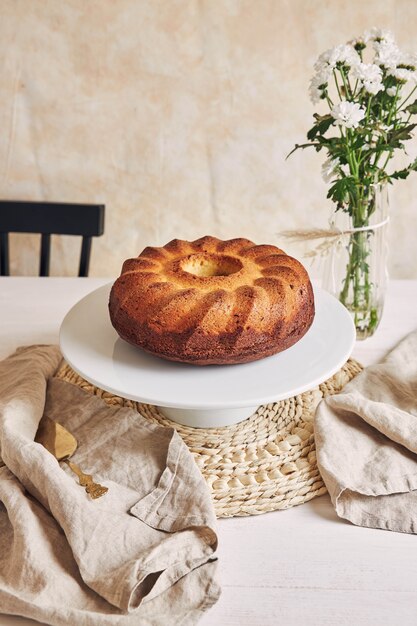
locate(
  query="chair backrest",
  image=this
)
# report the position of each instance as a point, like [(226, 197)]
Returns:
[(49, 218)]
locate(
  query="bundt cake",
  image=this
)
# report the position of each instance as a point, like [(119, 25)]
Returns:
[(212, 302)]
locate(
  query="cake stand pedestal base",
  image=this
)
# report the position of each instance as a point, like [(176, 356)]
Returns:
[(208, 418)]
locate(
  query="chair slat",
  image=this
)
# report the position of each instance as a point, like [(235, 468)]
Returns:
[(45, 255), (4, 254), (85, 256), (51, 218)]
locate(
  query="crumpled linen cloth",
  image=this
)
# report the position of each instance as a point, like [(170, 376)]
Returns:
[(143, 554), (366, 443)]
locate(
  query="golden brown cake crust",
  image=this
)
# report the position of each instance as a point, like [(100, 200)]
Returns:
[(211, 301)]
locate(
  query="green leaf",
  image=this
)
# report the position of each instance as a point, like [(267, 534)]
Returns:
[(412, 108), (301, 146), (338, 145), (402, 174), (341, 189), (319, 117), (395, 138), (323, 124)]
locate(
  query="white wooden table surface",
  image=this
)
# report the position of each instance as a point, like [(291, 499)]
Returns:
[(301, 566)]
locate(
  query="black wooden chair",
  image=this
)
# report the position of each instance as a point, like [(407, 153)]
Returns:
[(49, 218)]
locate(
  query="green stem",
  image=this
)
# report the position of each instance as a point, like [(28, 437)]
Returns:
[(357, 287), (407, 98), (368, 108), (329, 101), (393, 106), (337, 84), (347, 90), (353, 164), (393, 109), (389, 155)]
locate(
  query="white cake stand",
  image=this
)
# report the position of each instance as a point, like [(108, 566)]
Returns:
[(209, 396)]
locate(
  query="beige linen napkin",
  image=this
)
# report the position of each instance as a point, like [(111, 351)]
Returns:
[(366, 440), (141, 554)]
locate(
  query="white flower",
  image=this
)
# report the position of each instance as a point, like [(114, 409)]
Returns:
[(325, 65), (370, 76), (409, 60), (322, 75), (384, 128), (348, 114), (316, 87), (329, 169), (358, 43), (387, 54), (378, 34), (403, 74), (367, 71), (405, 68), (373, 88), (327, 61), (345, 54), (391, 91)]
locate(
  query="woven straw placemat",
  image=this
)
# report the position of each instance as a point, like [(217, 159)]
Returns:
[(264, 463)]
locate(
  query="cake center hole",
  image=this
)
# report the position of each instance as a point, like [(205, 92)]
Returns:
[(206, 265)]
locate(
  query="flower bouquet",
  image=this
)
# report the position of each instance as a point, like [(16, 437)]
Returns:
[(367, 85)]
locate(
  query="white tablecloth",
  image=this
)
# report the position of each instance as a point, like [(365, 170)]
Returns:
[(303, 565)]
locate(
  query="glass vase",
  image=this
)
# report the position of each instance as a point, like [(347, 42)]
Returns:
[(356, 266)]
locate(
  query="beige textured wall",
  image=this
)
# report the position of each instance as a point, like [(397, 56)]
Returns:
[(177, 114)]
